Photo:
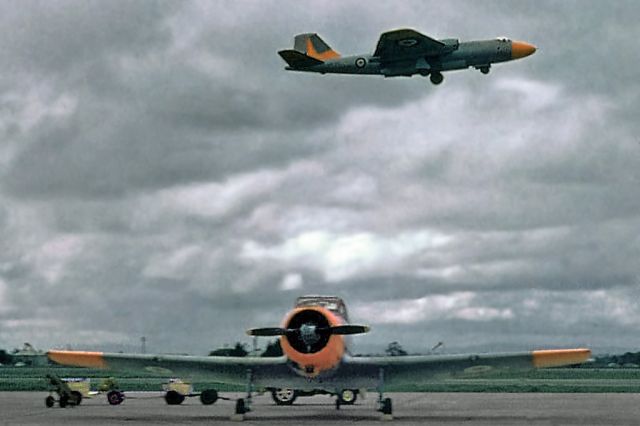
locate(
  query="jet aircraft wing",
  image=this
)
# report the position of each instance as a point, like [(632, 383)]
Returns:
[(403, 44), (404, 370), (231, 370)]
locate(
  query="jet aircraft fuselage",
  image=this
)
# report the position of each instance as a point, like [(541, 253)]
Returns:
[(404, 53)]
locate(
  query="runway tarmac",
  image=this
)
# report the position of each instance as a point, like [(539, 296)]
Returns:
[(27, 408)]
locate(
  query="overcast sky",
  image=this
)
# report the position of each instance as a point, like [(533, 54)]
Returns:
[(162, 175)]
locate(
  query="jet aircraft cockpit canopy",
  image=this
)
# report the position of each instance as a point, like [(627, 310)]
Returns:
[(332, 303), (503, 39)]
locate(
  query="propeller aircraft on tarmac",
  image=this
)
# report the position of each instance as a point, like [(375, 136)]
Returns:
[(316, 358), (404, 52)]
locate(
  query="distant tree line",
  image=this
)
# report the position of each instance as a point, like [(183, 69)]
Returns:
[(5, 357), (273, 349), (628, 359)]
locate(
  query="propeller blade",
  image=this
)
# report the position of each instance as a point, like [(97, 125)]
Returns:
[(267, 331), (349, 329)]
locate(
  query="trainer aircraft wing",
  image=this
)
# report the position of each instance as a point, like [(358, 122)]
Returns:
[(403, 44), (232, 370), (404, 370)]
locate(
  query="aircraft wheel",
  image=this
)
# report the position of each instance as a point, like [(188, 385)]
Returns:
[(387, 407), (284, 396), (485, 70), (208, 396), (348, 397), (173, 398), (76, 397), (436, 78), (115, 397), (49, 401), (240, 407), (64, 401)]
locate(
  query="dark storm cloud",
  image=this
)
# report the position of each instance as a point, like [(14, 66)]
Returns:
[(161, 175), (53, 38)]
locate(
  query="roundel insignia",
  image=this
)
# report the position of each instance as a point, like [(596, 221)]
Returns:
[(407, 42), (361, 62)]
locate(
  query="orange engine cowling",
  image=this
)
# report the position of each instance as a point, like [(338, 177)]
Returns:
[(312, 349)]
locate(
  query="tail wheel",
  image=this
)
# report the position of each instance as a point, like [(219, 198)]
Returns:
[(209, 396), (348, 397), (49, 401), (284, 396), (173, 398), (485, 70)]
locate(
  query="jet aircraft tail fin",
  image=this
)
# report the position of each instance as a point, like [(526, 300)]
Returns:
[(312, 45), (308, 50)]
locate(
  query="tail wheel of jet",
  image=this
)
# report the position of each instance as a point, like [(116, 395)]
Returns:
[(115, 397), (284, 396), (348, 397), (49, 401), (209, 396), (436, 77), (173, 398)]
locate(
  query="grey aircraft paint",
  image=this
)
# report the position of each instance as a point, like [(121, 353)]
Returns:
[(404, 53)]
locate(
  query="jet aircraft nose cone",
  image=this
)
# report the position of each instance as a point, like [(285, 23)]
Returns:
[(520, 49)]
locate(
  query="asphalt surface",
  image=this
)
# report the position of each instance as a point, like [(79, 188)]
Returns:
[(27, 408)]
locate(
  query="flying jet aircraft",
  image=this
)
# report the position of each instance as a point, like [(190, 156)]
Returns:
[(316, 358), (404, 52)]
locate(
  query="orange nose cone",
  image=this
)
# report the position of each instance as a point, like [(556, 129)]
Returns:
[(520, 49)]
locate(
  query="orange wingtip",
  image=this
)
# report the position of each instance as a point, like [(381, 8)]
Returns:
[(78, 358), (559, 357)]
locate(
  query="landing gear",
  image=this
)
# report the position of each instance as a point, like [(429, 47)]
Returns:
[(485, 70), (384, 404), (284, 396), (348, 397), (436, 77), (49, 401), (115, 397), (386, 408), (173, 397), (243, 406)]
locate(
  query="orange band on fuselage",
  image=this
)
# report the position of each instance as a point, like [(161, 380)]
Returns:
[(326, 358), (78, 358)]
